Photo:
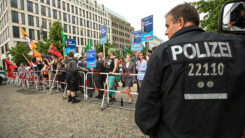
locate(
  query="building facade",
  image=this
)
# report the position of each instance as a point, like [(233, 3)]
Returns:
[(120, 30), (81, 20), (155, 42)]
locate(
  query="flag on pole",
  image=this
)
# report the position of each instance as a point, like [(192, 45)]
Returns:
[(63, 38), (27, 60), (88, 45), (10, 66), (126, 49), (30, 43), (53, 50)]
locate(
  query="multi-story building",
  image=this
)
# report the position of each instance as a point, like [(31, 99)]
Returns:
[(81, 20), (120, 30)]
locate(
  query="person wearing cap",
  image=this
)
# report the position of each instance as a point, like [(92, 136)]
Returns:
[(111, 66), (71, 76)]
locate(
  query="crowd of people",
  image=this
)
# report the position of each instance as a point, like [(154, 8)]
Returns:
[(71, 70)]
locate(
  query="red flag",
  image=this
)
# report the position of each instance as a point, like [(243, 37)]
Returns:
[(10, 66), (28, 61), (53, 50)]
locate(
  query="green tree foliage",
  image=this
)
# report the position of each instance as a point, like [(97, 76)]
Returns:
[(17, 51), (211, 11), (54, 38), (99, 48)]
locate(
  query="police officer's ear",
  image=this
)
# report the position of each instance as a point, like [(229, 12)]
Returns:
[(181, 22)]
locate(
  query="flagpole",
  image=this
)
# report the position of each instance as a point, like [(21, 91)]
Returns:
[(104, 50)]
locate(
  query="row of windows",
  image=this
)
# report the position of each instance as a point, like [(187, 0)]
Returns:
[(4, 35), (120, 27), (3, 6), (3, 21), (88, 24)]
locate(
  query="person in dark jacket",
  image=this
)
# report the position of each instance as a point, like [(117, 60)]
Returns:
[(97, 78), (194, 83), (71, 76)]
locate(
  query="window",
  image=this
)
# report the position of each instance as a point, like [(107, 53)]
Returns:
[(38, 35), (64, 5), (64, 17), (36, 7), (23, 18), (69, 29), (42, 1), (72, 8), (29, 6), (15, 18), (54, 14), (22, 4), (48, 2), (74, 29), (49, 14), (6, 47), (44, 23), (2, 49), (73, 19), (68, 7), (59, 15), (53, 2), (37, 21), (76, 10), (65, 28), (81, 41), (68, 18), (45, 36), (14, 3), (58, 3), (31, 34), (81, 22), (43, 10), (30, 20), (16, 32)]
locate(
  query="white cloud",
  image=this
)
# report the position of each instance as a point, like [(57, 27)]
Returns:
[(135, 10)]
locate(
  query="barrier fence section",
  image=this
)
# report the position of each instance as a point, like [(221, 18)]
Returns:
[(35, 79), (107, 90)]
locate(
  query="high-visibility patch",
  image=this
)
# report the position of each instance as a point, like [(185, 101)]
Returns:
[(209, 96)]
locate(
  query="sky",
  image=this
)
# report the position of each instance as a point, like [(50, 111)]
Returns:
[(135, 10)]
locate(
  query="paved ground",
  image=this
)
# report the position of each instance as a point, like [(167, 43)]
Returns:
[(34, 114)]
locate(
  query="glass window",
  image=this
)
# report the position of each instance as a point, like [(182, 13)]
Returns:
[(44, 23), (22, 4), (23, 18), (6, 47), (42, 1), (73, 19), (69, 18), (64, 17), (38, 35), (58, 3), (65, 28), (81, 22), (48, 2), (49, 14), (37, 9), (53, 2), (68, 7), (15, 18), (72, 8), (59, 15), (29, 6), (74, 29), (54, 14), (76, 10), (37, 21), (64, 5), (31, 34), (43, 10), (45, 35), (30, 20), (16, 32), (2, 49), (14, 3)]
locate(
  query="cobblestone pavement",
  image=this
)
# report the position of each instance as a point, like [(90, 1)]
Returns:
[(37, 114)]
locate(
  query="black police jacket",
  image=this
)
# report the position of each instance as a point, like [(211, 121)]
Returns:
[(194, 87)]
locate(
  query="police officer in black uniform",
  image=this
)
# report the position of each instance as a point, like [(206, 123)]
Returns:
[(194, 86)]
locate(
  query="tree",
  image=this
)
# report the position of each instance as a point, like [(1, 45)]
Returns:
[(17, 51), (54, 38), (211, 11), (99, 47)]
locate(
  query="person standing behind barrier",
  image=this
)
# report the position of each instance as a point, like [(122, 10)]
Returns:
[(45, 74), (98, 77), (62, 73), (53, 64), (111, 66), (141, 68), (127, 79), (121, 68), (71, 75)]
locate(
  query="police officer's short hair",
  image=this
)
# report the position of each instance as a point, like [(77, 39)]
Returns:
[(187, 11)]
